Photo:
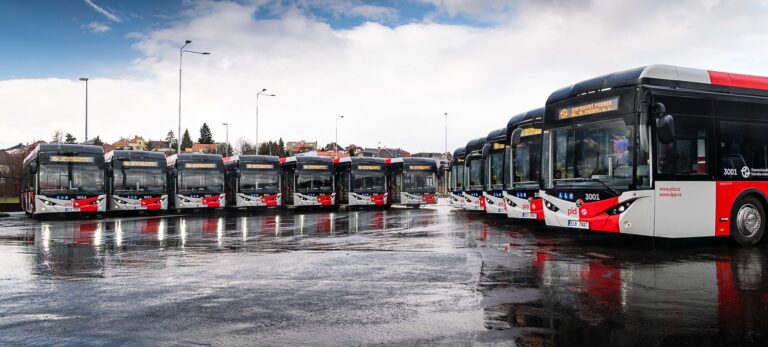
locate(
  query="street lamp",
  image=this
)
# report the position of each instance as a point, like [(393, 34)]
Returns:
[(226, 148), (445, 180), (336, 142), (85, 79), (261, 92), (181, 54)]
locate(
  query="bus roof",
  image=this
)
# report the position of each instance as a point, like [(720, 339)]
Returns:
[(497, 135), (661, 75), (525, 118), (308, 159), (460, 152), (361, 160), (475, 145), (253, 158), (184, 157), (63, 148), (414, 160), (123, 154)]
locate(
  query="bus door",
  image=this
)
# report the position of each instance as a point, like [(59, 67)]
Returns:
[(396, 185), (344, 187)]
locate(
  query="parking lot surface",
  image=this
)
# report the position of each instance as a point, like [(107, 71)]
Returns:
[(430, 276)]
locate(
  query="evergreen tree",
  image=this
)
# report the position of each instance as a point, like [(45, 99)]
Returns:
[(351, 151), (97, 141), (68, 138), (264, 148), (280, 148), (171, 139), (205, 135), (148, 146), (186, 140)]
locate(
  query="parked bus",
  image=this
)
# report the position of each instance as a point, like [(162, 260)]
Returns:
[(413, 181), (361, 181), (253, 181), (196, 180), (496, 162), (64, 178), (308, 181), (523, 185), (457, 178), (474, 176), (659, 151), (136, 180)]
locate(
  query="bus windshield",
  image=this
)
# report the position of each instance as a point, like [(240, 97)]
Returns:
[(252, 180), (414, 181), (314, 181), (475, 174), (526, 166), (597, 155), (70, 178), (368, 181), (139, 180), (201, 180), (496, 167), (458, 176)]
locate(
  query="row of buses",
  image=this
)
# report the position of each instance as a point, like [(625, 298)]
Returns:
[(659, 151), (64, 178)]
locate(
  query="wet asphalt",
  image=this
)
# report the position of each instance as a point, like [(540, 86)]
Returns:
[(430, 276)]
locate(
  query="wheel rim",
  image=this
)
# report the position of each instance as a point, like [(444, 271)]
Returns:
[(748, 220)]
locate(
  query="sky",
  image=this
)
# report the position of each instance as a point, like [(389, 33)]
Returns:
[(391, 68)]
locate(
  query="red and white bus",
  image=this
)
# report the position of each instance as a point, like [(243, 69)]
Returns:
[(495, 153), (136, 181), (196, 181), (308, 181), (523, 184), (660, 151), (457, 178), (474, 175), (253, 181), (361, 181), (63, 178), (413, 181)]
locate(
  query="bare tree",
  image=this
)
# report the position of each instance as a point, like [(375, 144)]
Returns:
[(245, 147), (57, 136)]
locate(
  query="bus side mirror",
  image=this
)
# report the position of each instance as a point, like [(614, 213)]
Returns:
[(515, 138), (665, 124), (33, 168), (486, 149)]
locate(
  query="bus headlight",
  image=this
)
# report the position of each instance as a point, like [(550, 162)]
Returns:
[(48, 202), (551, 206), (620, 208)]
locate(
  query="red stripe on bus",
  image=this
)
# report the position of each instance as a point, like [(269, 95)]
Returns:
[(737, 80)]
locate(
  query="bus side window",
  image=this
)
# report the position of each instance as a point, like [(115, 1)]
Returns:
[(743, 150), (687, 154)]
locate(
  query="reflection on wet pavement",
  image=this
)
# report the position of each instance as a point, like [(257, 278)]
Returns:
[(401, 276)]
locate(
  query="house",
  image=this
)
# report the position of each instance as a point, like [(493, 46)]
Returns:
[(137, 143), (385, 153), (202, 148), (295, 147)]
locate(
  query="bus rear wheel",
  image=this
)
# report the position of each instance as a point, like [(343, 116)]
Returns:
[(748, 221)]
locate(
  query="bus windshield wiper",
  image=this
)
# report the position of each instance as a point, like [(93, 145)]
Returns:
[(592, 179)]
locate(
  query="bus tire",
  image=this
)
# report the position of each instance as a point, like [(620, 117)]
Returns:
[(748, 221)]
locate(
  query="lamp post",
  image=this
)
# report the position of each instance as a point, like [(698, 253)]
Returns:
[(85, 79), (336, 142), (445, 180), (261, 92), (181, 54), (226, 148)]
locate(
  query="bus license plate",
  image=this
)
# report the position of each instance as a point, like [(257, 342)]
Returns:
[(578, 224), (530, 215)]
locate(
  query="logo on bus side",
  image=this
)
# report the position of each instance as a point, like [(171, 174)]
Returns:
[(745, 172)]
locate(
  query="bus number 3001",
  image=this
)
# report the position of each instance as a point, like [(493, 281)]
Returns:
[(730, 172), (592, 197)]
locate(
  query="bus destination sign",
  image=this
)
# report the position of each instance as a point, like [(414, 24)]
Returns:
[(314, 167), (498, 145), (419, 167), (200, 165), (140, 163), (530, 132), (369, 167), (595, 107), (71, 159), (259, 166)]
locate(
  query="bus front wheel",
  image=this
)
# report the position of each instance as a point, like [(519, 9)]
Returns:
[(748, 221)]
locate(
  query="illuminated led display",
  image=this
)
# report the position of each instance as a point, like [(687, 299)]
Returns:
[(71, 159), (140, 163), (314, 167), (419, 167), (530, 131), (200, 165), (369, 167), (595, 107), (259, 166)]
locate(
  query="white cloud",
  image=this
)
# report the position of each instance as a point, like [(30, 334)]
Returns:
[(97, 27), (111, 16), (393, 84)]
